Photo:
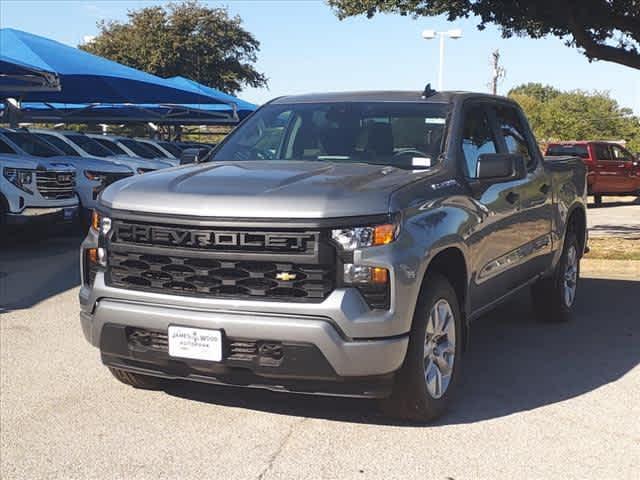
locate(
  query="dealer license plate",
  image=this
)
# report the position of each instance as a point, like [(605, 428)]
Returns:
[(195, 343)]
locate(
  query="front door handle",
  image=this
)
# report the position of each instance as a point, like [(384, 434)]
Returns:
[(545, 188), (512, 197)]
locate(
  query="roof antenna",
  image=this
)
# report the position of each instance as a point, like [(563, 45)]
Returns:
[(428, 91)]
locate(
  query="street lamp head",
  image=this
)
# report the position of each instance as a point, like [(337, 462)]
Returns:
[(429, 34), (455, 33)]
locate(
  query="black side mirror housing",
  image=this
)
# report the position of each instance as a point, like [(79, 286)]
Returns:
[(500, 167), (193, 155)]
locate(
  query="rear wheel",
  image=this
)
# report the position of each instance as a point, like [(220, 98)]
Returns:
[(137, 380), (554, 297), (426, 382)]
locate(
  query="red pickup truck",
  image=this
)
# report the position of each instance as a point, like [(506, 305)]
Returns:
[(612, 169)]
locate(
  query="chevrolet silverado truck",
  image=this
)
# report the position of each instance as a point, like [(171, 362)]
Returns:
[(334, 244)]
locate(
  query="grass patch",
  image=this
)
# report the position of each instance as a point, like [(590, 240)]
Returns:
[(614, 248)]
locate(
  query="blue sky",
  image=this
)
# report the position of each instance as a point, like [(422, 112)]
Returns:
[(305, 48)]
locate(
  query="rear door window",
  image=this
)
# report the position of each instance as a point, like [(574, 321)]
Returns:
[(477, 138)]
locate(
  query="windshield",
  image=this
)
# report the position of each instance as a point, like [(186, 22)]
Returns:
[(32, 145), (171, 148), (89, 145), (138, 148), (405, 135), (110, 145), (58, 143), (157, 153)]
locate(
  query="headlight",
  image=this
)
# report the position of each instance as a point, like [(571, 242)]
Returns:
[(100, 223), (94, 176), (19, 177), (373, 282), (351, 239)]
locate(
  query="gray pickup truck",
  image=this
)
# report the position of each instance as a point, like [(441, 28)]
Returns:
[(334, 244)]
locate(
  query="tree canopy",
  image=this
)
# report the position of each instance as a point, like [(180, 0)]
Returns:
[(602, 29), (186, 39), (576, 115)]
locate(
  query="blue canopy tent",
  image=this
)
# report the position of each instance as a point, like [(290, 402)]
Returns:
[(87, 78), (243, 108), (97, 89), (125, 113), (19, 77)]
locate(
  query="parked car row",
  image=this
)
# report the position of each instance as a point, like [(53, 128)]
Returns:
[(57, 175), (611, 168)]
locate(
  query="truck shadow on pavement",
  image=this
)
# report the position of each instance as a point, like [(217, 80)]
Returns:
[(33, 269), (514, 363)]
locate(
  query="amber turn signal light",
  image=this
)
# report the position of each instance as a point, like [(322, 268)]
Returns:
[(383, 234), (95, 221), (92, 256), (379, 275)]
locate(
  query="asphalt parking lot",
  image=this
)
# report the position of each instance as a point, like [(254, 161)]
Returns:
[(617, 217), (538, 401)]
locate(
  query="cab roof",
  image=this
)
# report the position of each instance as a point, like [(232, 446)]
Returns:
[(383, 96)]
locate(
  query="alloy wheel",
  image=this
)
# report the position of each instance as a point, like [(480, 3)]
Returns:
[(439, 348), (570, 281)]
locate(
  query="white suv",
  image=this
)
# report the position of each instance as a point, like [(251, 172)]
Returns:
[(85, 146), (36, 189), (92, 174)]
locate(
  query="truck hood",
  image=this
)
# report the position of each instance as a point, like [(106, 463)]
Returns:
[(93, 164), (134, 163), (35, 163), (261, 189)]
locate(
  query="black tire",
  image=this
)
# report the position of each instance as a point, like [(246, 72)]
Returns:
[(548, 294), (137, 380), (410, 398), (597, 200)]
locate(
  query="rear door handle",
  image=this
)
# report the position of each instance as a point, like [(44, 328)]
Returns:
[(512, 197), (545, 188)]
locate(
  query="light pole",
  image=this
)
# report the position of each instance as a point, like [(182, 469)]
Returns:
[(430, 35)]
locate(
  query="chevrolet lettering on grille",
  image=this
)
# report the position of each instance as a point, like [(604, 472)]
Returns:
[(177, 237)]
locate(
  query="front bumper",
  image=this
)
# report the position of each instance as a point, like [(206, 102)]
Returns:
[(342, 357), (43, 215)]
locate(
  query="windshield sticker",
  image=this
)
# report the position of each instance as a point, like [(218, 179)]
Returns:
[(434, 121), (421, 162)]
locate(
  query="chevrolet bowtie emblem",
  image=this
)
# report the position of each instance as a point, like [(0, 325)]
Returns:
[(286, 276)]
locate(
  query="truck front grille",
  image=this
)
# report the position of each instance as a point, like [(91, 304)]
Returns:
[(198, 276), (56, 185)]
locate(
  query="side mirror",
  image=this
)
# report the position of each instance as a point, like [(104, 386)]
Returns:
[(500, 166), (193, 155)]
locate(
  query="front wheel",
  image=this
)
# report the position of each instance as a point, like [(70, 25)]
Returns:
[(553, 298), (425, 384)]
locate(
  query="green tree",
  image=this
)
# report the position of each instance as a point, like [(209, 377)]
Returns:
[(576, 115), (540, 92), (186, 39), (604, 29)]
